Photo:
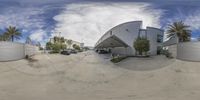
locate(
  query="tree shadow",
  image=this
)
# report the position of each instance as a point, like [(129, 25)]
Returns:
[(145, 64)]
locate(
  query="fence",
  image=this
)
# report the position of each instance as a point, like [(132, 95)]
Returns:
[(15, 51), (188, 51)]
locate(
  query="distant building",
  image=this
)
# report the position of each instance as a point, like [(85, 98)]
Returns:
[(73, 42), (69, 45)]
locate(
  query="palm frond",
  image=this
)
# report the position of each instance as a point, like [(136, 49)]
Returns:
[(180, 30)]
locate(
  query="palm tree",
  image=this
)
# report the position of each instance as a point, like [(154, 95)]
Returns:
[(69, 42), (180, 30), (62, 40), (4, 37), (1, 38), (13, 32)]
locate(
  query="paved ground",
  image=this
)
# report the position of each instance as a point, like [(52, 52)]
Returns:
[(89, 76)]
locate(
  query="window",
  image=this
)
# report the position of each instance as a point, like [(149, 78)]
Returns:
[(159, 49), (110, 32), (159, 38), (143, 33)]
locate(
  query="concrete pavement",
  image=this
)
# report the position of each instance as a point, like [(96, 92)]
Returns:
[(90, 76)]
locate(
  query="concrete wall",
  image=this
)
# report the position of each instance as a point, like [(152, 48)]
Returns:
[(31, 50), (189, 51), (122, 50), (15, 51), (11, 51), (172, 49), (152, 34), (128, 33)]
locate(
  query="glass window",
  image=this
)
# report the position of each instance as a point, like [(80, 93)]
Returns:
[(142, 33), (159, 38)]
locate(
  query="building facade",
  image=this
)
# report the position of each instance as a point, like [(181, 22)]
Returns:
[(120, 38)]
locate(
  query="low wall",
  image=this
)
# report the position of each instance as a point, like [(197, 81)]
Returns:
[(15, 51), (173, 49), (122, 51), (31, 50), (188, 51)]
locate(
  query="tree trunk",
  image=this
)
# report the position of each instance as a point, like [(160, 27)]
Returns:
[(12, 38), (140, 52)]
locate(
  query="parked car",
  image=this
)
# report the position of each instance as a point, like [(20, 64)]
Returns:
[(73, 51), (102, 52), (65, 52)]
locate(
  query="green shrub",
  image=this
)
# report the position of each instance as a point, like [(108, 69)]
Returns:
[(167, 53), (41, 48), (76, 47), (49, 45), (63, 46), (80, 50), (117, 59), (141, 45), (56, 48)]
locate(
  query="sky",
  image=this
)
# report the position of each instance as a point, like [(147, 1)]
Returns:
[(87, 20)]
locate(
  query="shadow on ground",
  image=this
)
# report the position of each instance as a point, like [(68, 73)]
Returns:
[(145, 64)]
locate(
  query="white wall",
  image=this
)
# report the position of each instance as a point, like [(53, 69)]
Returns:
[(173, 49), (11, 51), (128, 32), (122, 50), (152, 37), (189, 51), (15, 51), (31, 50)]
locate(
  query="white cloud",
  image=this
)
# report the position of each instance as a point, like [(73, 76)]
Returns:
[(38, 35), (88, 22), (194, 39), (21, 17), (26, 18), (193, 20)]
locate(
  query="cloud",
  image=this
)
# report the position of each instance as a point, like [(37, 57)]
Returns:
[(193, 20), (21, 17), (27, 19), (194, 39), (88, 22), (38, 35)]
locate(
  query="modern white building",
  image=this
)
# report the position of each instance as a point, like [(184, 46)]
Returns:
[(120, 38)]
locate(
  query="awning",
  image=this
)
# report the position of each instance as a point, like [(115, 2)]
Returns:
[(112, 41)]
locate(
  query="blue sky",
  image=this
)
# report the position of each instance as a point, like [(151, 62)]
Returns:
[(87, 21)]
